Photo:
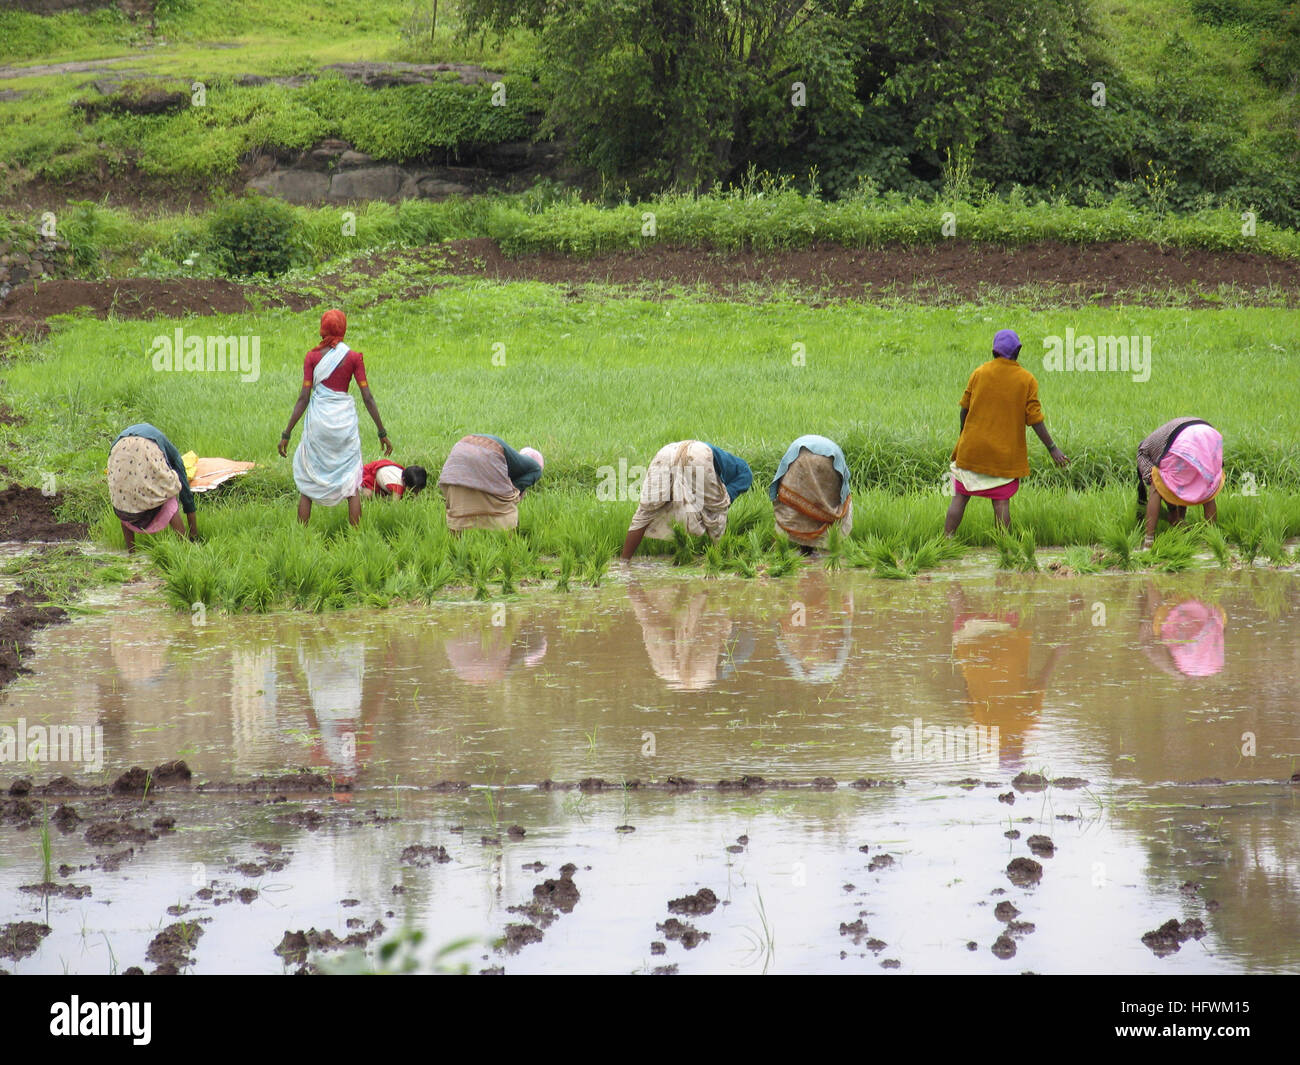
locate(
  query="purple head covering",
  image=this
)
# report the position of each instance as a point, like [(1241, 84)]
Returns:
[(1006, 344)]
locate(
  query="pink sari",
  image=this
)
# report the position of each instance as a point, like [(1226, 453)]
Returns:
[(1193, 467)]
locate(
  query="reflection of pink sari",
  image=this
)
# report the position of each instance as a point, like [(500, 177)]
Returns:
[(1193, 633)]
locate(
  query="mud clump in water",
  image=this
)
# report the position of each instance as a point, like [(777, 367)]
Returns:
[(1041, 846), (519, 936), (701, 904), (1008, 797), (1020, 928), (136, 781), (18, 811), (516, 832), (551, 898), (1069, 783), (111, 833), (1004, 947), (21, 939), (686, 934), (1005, 911), (658, 947), (1029, 782), (294, 946), (880, 861), (1024, 872), (561, 894), (423, 855), (170, 949), (302, 780), (63, 891), (1170, 936)]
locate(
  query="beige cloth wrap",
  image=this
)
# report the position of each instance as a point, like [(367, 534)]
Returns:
[(139, 478), (808, 501), (468, 508), (682, 486)]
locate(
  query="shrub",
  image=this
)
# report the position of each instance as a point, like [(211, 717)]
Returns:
[(254, 235)]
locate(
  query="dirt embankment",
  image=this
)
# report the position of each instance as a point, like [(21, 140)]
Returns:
[(1099, 273), (1096, 273)]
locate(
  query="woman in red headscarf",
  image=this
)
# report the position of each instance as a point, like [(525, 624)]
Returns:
[(327, 464)]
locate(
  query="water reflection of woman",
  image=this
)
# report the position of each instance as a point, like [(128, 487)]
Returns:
[(683, 638), (992, 651), (486, 656), (816, 634), (342, 696), (1181, 637)]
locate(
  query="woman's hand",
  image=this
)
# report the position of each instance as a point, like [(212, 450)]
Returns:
[(387, 445), (283, 446), (1058, 456)]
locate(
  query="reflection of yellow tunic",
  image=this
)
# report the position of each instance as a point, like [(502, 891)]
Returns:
[(1000, 688)]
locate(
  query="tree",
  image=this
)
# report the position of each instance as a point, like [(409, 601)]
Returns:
[(679, 92)]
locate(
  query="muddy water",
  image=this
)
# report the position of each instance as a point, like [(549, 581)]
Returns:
[(1173, 698)]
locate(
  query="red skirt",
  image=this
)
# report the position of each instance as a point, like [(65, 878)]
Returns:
[(1002, 491)]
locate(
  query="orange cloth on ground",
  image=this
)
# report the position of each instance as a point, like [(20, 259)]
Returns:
[(208, 473), (1001, 399)]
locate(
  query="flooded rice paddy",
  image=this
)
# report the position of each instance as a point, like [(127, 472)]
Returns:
[(984, 773)]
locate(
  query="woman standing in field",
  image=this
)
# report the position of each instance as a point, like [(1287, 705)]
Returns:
[(1183, 462), (147, 484), (327, 463), (690, 482), (483, 480), (810, 492), (1001, 398)]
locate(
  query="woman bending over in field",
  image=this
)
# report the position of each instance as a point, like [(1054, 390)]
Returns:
[(810, 492), (483, 480), (690, 482), (1001, 398), (327, 464), (387, 480), (1183, 462), (147, 484)]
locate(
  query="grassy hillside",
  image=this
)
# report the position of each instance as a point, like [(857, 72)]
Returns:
[(1198, 59)]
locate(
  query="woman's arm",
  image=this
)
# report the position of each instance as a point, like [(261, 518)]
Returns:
[(1058, 456), (298, 409), (1153, 516), (373, 408), (633, 541)]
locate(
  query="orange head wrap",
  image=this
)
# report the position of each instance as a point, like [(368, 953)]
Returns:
[(333, 324)]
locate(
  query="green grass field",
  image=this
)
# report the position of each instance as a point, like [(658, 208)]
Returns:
[(605, 380)]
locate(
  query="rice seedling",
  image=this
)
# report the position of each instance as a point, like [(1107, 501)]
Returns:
[(564, 574), (1008, 550), (46, 850), (1249, 540), (1080, 559), (1171, 551), (1213, 538), (782, 559), (1121, 547)]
